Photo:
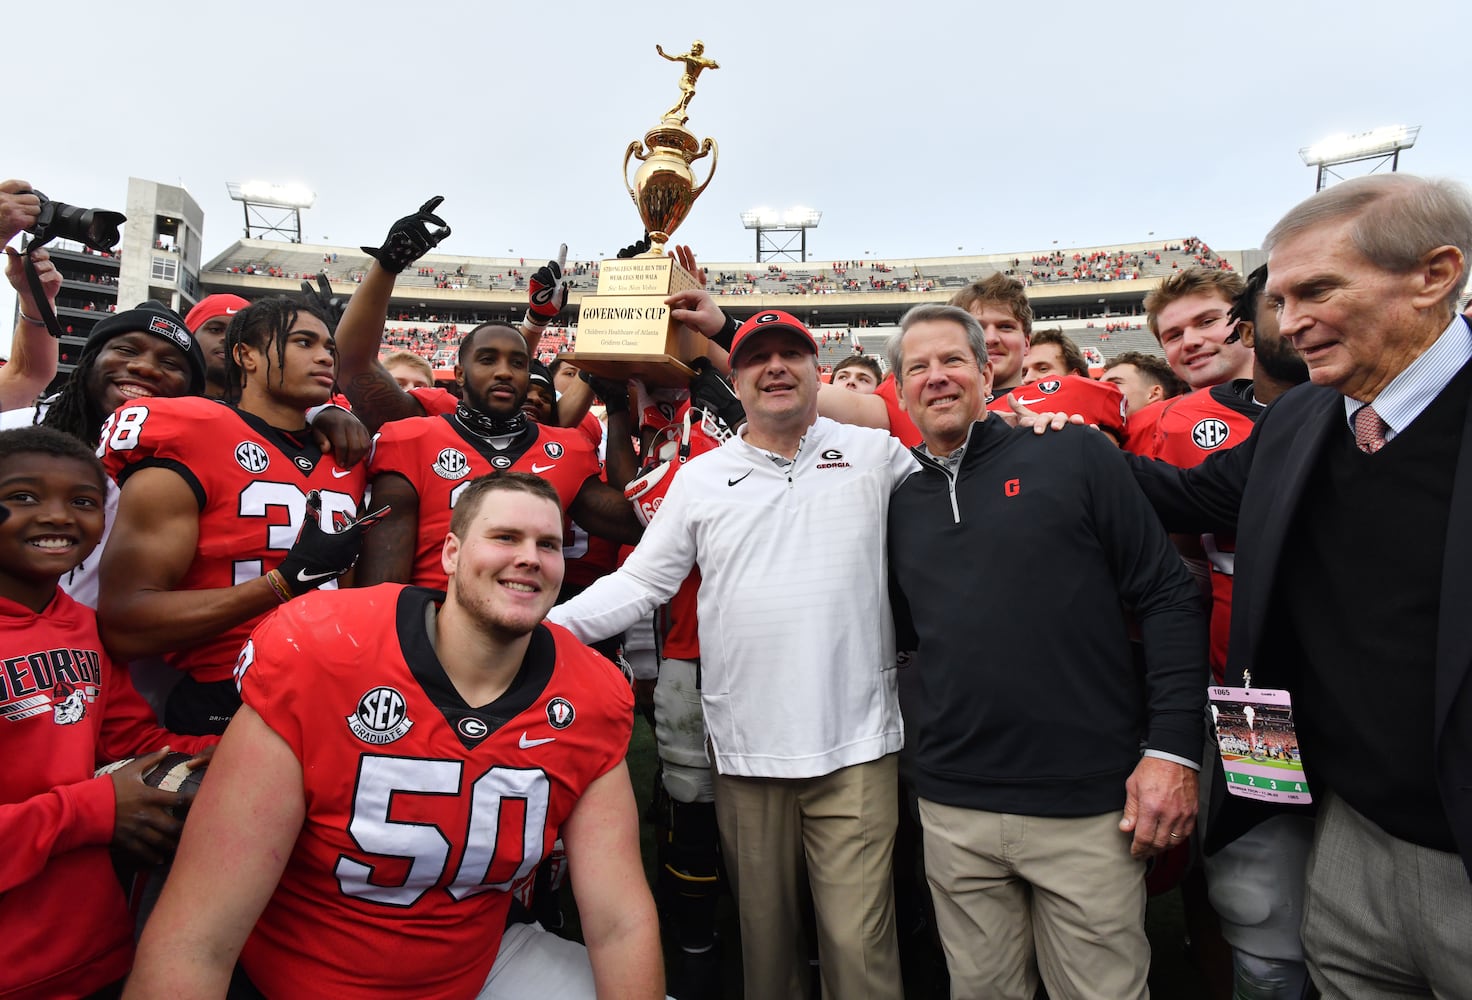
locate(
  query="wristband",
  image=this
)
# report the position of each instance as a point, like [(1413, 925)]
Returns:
[(723, 338), (278, 584), (533, 320), (30, 319), (316, 411)]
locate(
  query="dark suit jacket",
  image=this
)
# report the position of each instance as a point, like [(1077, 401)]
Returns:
[(1255, 488)]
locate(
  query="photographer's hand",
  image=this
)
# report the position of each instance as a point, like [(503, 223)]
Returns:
[(19, 209)]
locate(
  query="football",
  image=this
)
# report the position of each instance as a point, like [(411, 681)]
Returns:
[(169, 774)]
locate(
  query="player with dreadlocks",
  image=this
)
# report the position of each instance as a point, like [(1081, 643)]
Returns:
[(228, 508)]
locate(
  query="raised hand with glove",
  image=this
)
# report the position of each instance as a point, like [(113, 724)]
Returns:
[(547, 291), (410, 238)]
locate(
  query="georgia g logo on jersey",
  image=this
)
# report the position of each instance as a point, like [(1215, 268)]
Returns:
[(1210, 433), (1049, 386)]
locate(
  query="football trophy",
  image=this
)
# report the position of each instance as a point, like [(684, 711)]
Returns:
[(625, 329)]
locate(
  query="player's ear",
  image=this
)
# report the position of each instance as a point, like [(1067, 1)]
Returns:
[(459, 376), (450, 554)]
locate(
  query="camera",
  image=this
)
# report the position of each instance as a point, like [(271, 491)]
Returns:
[(95, 227)]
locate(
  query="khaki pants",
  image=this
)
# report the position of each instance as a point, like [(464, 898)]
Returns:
[(841, 826), (1008, 888)]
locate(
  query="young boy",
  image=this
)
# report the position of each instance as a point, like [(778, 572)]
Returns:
[(65, 709)]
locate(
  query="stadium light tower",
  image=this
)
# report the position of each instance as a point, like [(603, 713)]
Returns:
[(777, 231), (1382, 145), (272, 209)]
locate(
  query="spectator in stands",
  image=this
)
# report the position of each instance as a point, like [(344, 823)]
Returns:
[(408, 369), (795, 787), (33, 353), (858, 373), (1052, 353), (199, 554), (1364, 277), (208, 321), (1143, 378), (1067, 882)]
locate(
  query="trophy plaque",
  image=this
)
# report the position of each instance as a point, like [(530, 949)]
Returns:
[(625, 329)]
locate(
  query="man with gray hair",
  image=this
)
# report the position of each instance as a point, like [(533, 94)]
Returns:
[(1351, 500), (1027, 718)]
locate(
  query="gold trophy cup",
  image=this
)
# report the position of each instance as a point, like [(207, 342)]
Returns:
[(625, 330)]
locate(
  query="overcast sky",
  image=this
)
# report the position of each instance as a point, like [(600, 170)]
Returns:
[(917, 131)]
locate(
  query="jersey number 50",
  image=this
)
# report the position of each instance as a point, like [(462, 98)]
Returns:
[(425, 846)]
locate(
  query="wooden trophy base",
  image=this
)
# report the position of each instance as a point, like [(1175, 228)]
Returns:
[(625, 330)]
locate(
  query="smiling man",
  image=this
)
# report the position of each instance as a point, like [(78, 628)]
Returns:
[(797, 662), (227, 509), (1350, 500), (378, 813), (1038, 808)]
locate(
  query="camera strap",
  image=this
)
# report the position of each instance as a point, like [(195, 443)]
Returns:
[(43, 304)]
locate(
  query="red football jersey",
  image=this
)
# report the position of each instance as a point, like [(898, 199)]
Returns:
[(900, 424), (1098, 403), (1140, 428), (435, 400), (439, 457), (1187, 430), (64, 709), (424, 815), (251, 481)]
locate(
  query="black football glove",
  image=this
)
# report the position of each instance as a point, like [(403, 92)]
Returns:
[(410, 238), (635, 249), (546, 294), (612, 393), (332, 305), (709, 391), (318, 555)]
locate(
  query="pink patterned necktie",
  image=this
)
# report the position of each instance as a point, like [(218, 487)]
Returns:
[(1369, 430)]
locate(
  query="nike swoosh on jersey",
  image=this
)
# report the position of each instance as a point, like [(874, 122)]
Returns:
[(339, 473), (733, 482), (527, 744), (1031, 402), (539, 469), (302, 576)]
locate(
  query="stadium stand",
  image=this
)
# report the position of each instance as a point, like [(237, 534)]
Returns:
[(1095, 294)]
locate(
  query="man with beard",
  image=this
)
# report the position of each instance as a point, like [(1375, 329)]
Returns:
[(420, 466), (381, 854)]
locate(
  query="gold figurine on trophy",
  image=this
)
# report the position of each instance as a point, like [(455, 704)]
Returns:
[(625, 329), (694, 61)]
